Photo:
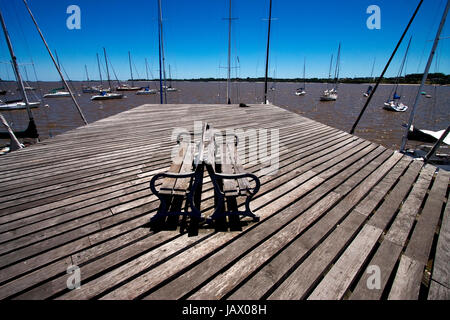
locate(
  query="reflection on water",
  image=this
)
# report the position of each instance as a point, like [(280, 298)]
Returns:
[(377, 125)]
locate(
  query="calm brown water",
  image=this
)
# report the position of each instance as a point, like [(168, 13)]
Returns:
[(377, 125)]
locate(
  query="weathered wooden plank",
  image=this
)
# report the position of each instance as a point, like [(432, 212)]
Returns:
[(441, 272), (438, 291), (259, 284), (391, 247), (407, 280)]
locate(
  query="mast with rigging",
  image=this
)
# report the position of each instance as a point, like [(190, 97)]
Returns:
[(267, 53), (424, 78)]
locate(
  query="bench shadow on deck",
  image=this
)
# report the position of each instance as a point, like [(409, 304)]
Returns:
[(339, 212)]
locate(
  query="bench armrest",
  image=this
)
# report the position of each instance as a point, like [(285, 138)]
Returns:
[(168, 175), (242, 175)]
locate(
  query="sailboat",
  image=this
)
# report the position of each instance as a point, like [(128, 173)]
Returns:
[(370, 88), (301, 91), (23, 103), (57, 92), (442, 135), (31, 131), (126, 87), (92, 89), (170, 88), (273, 87), (104, 95), (394, 104), (146, 90), (331, 94)]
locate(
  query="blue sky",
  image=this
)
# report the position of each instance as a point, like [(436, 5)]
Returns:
[(196, 36)]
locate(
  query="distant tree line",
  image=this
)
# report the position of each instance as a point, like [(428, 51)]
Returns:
[(414, 78)]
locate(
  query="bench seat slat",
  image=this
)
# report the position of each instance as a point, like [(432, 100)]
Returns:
[(182, 184), (244, 184), (230, 187)]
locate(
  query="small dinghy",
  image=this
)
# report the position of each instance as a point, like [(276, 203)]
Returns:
[(107, 96), (395, 106)]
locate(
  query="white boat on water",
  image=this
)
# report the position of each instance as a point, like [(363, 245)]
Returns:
[(146, 91), (396, 106), (300, 92), (104, 95), (107, 96), (171, 89), (393, 102), (329, 95), (94, 89), (57, 94), (18, 105), (126, 87)]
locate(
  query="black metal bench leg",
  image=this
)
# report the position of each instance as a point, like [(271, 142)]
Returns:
[(248, 211), (194, 198)]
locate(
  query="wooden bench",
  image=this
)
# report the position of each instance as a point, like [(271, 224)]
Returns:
[(229, 178), (178, 182), (184, 178)]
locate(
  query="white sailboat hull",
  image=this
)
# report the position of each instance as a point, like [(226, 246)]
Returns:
[(57, 94), (19, 105), (329, 96), (397, 107), (300, 93), (146, 92), (107, 96)]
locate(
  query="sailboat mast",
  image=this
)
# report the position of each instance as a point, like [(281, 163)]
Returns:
[(54, 62), (162, 51), (16, 68), (373, 67), (267, 52), (329, 70), (146, 68), (159, 52), (425, 76), (107, 69), (57, 59), (229, 57), (336, 70), (304, 73), (170, 78), (87, 75), (99, 70), (131, 69)]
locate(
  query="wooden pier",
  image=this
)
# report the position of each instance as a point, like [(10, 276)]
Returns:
[(341, 218)]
